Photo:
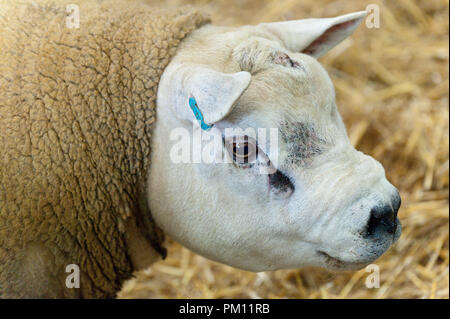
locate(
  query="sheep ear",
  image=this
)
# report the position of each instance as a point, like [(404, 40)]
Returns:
[(314, 36), (196, 91)]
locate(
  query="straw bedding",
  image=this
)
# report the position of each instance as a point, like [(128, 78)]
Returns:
[(392, 90)]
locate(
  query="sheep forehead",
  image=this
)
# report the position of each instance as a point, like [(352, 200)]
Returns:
[(304, 84), (278, 94), (258, 53)]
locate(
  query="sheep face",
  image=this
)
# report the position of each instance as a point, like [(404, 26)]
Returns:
[(301, 196)]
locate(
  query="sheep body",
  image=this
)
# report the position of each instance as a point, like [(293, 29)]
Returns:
[(76, 113)]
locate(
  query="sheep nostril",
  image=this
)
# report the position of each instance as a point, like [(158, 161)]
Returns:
[(382, 219)]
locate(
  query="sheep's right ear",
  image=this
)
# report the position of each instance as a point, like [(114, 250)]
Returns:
[(192, 89)]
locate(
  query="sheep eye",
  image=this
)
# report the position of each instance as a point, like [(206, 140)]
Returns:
[(242, 149)]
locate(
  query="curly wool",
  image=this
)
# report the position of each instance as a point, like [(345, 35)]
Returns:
[(76, 112)]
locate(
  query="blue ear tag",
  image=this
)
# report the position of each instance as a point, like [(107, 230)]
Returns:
[(198, 114)]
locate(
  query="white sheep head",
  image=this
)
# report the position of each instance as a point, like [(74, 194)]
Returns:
[(323, 203)]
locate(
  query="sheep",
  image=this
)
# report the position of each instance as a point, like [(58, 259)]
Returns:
[(88, 113)]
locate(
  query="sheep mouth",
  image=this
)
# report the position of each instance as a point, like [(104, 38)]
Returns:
[(339, 264)]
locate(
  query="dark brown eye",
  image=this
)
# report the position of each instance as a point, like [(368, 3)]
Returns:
[(242, 148)]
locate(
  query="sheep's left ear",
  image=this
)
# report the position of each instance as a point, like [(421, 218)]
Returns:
[(198, 92), (314, 36)]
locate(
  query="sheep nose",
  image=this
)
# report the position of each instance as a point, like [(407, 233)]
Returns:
[(383, 219)]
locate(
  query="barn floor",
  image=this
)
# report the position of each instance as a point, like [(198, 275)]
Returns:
[(392, 90)]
